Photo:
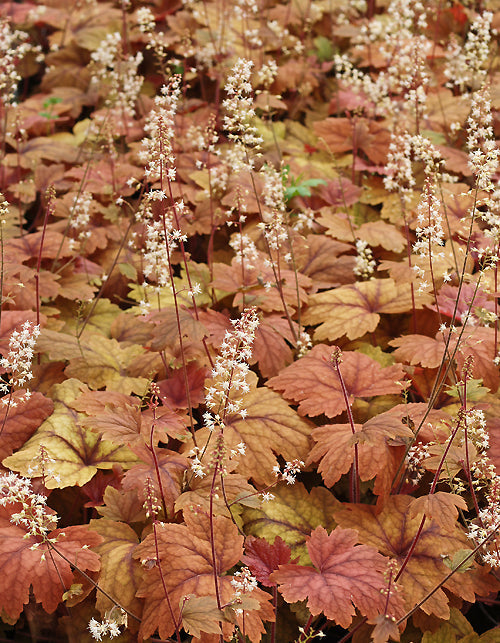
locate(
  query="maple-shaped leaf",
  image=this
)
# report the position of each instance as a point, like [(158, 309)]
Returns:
[(77, 451), (250, 286), (292, 514), (378, 453), (270, 348), (312, 381), (42, 569), (344, 576), (122, 506), (392, 532), (170, 466), (270, 428), (354, 310), (380, 233), (478, 342), (440, 506), (186, 560), (419, 349), (123, 422), (20, 419), (95, 359), (120, 574), (263, 558)]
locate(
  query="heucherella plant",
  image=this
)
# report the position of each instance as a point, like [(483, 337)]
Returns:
[(249, 320)]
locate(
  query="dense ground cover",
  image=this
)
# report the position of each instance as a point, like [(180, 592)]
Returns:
[(249, 320)]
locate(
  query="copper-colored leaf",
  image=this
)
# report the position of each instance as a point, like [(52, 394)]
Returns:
[(42, 569), (392, 531), (343, 134), (270, 428), (419, 349), (344, 576), (20, 419), (313, 382), (263, 558), (440, 506), (354, 310), (78, 452), (171, 467), (376, 455), (186, 560), (270, 348), (201, 614)]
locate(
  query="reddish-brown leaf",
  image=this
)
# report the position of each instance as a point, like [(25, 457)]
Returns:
[(344, 134), (392, 532), (263, 558), (20, 419), (171, 467), (344, 576), (312, 381), (270, 347), (378, 454), (187, 564), (42, 569)]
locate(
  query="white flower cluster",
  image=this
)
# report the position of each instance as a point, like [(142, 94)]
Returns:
[(489, 522), (429, 231), (229, 375), (483, 151), (32, 516), (80, 214), (20, 356), (245, 250), (244, 583), (161, 238), (117, 73), (466, 66), (239, 112), (157, 152), (13, 48), (403, 150), (405, 53), (289, 472), (110, 625), (365, 263)]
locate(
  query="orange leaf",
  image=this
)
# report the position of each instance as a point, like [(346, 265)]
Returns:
[(338, 135), (439, 506), (344, 575), (419, 349), (171, 467), (270, 428), (376, 456), (49, 575), (186, 561), (392, 531), (355, 309), (319, 260), (270, 348), (20, 419), (313, 382)]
